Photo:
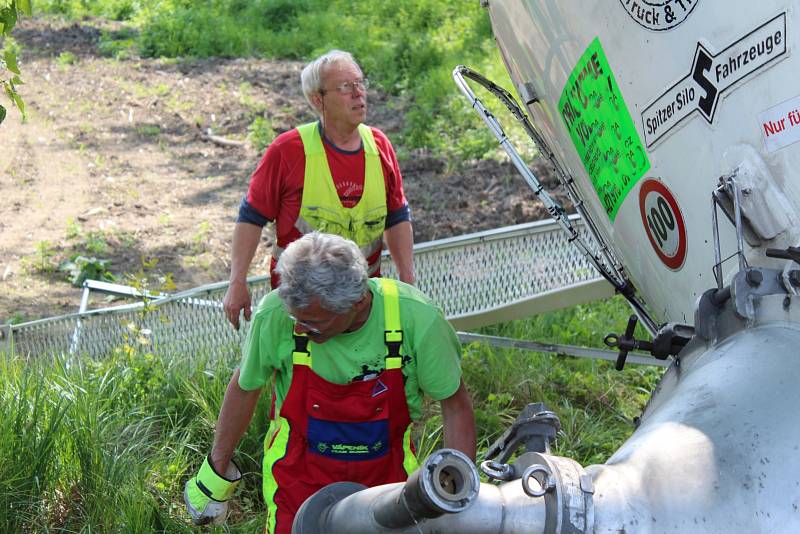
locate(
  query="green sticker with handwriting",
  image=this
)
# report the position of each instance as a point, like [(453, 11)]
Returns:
[(602, 130)]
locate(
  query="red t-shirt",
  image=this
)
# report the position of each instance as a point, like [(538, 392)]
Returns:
[(276, 186)]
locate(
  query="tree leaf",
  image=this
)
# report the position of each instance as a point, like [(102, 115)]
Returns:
[(17, 80), (9, 18), (2, 114), (20, 104), (11, 61), (25, 7)]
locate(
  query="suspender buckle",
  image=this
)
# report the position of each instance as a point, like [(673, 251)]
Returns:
[(393, 340), (300, 344)]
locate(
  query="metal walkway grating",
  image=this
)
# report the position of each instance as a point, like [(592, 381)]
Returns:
[(477, 279)]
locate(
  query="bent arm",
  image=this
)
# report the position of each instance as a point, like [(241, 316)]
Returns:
[(245, 242), (234, 417), (400, 242), (459, 422)]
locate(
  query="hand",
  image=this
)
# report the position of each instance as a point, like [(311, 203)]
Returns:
[(237, 298), (206, 495)]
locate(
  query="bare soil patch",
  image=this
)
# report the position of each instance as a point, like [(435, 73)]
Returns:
[(113, 164)]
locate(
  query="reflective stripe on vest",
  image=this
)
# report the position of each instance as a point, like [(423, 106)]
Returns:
[(321, 208)]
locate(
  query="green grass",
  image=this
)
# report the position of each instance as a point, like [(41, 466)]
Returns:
[(148, 130), (408, 48), (66, 58), (106, 445), (595, 403)]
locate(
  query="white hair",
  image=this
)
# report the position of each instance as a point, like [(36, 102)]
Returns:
[(326, 266), (311, 77)]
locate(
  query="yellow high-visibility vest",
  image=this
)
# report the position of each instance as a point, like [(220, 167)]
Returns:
[(322, 210)]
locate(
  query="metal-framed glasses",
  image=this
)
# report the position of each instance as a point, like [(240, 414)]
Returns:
[(346, 88), (314, 327)]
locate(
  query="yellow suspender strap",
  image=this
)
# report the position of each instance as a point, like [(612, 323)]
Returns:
[(394, 360), (393, 335)]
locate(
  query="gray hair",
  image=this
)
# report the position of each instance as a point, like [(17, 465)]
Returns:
[(325, 266), (311, 77)]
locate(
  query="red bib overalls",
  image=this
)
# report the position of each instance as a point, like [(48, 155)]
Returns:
[(357, 432)]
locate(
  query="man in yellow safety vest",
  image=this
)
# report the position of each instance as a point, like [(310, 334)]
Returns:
[(334, 175)]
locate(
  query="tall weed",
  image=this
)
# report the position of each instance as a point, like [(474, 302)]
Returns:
[(31, 437), (106, 445)]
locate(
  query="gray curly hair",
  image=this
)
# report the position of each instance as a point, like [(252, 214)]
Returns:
[(325, 266), (311, 77)]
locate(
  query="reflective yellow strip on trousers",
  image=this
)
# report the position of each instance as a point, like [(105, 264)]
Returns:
[(410, 463), (272, 453)]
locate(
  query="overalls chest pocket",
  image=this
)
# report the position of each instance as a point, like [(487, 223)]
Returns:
[(349, 422)]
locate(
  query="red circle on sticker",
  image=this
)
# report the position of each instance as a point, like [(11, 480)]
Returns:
[(663, 223)]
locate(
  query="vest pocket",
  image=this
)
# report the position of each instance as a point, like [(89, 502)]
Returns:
[(326, 221), (361, 228), (373, 224)]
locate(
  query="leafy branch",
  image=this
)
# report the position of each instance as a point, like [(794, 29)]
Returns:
[(9, 70)]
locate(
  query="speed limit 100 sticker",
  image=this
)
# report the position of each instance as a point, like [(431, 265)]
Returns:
[(663, 222)]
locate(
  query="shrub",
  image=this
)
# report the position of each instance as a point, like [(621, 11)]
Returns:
[(261, 133)]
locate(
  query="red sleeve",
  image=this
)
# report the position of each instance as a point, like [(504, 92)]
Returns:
[(276, 174), (395, 198)]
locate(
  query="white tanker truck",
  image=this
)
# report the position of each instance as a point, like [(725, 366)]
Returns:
[(675, 126)]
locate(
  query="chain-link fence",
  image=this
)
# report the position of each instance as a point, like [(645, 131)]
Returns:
[(477, 279)]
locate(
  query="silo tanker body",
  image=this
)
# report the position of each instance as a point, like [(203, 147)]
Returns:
[(650, 105)]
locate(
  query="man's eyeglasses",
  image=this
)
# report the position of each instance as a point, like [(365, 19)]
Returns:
[(314, 328), (347, 87)]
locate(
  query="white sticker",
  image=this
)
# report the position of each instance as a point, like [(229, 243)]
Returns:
[(711, 76), (659, 15), (780, 125)]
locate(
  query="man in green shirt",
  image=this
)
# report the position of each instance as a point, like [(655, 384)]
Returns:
[(348, 359)]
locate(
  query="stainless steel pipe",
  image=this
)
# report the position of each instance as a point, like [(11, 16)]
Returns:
[(446, 483), (443, 496)]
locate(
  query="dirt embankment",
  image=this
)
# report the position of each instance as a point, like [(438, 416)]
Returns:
[(114, 164)]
